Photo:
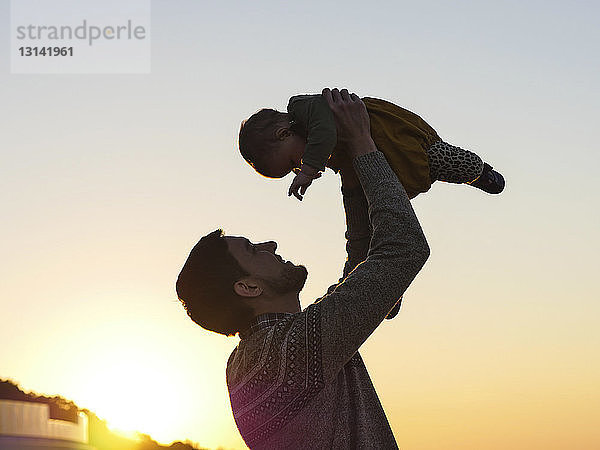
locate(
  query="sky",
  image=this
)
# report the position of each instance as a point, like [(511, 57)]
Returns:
[(107, 181)]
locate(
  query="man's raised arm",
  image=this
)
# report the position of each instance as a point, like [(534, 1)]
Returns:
[(397, 251), (358, 226)]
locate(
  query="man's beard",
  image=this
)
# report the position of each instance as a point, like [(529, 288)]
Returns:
[(291, 280)]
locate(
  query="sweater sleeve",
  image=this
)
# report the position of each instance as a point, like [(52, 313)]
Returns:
[(313, 115), (354, 308), (358, 228)]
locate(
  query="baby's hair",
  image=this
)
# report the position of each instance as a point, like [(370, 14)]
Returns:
[(257, 138)]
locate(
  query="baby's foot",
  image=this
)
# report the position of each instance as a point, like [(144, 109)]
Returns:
[(489, 181)]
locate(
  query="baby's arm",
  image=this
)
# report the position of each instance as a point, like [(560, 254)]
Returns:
[(312, 114), (302, 181)]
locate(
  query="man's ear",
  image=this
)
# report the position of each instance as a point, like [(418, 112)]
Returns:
[(247, 287), (283, 132)]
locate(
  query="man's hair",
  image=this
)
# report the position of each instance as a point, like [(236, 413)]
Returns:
[(257, 139), (205, 287)]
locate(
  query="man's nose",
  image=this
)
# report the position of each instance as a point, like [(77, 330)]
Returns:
[(270, 246)]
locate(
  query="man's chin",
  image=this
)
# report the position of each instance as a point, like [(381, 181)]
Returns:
[(292, 279), (302, 276), (296, 276)]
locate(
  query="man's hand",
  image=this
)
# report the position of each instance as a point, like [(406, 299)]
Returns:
[(352, 121)]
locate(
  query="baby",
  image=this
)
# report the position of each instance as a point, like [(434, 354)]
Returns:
[(304, 141)]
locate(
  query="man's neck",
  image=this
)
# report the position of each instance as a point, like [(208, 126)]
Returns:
[(287, 303)]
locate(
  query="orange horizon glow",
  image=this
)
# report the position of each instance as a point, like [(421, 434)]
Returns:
[(107, 181)]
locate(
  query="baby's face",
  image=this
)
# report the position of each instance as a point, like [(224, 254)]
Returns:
[(287, 156)]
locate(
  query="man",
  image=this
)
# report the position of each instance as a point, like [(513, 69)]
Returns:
[(296, 379)]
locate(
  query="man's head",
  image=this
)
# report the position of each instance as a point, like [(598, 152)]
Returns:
[(269, 144), (228, 280)]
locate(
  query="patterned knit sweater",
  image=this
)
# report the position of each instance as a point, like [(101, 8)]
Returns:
[(297, 380)]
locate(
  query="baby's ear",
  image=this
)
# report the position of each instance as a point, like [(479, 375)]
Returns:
[(283, 132)]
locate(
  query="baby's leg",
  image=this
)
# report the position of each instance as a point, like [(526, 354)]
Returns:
[(453, 164)]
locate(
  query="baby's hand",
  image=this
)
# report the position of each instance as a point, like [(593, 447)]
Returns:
[(302, 180), (300, 183)]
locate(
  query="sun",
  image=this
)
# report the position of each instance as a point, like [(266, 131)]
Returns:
[(139, 376), (133, 391)]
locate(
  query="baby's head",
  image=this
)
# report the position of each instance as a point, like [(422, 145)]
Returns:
[(268, 143)]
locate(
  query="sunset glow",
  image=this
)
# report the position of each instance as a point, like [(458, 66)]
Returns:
[(128, 389), (108, 180)]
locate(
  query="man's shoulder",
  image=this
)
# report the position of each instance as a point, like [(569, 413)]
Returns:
[(245, 357), (288, 341), (274, 374)]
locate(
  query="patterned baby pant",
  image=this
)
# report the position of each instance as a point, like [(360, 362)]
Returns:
[(453, 164)]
